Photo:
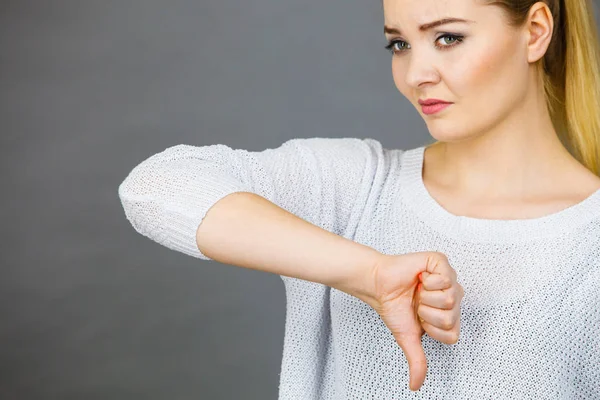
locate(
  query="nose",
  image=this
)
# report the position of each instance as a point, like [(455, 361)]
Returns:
[(420, 70)]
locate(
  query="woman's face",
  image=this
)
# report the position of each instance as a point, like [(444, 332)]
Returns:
[(481, 68)]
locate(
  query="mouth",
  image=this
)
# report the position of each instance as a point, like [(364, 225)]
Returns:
[(432, 107)]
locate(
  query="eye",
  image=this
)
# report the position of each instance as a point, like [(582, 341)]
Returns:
[(392, 43), (455, 39), (452, 40)]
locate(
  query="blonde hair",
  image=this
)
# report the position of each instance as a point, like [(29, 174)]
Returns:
[(569, 73)]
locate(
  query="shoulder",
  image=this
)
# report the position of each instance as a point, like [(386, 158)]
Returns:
[(347, 146), (340, 146), (585, 256), (355, 153), (588, 238)]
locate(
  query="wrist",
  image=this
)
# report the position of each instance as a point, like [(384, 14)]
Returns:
[(359, 279)]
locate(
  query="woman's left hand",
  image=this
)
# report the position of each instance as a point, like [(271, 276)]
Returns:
[(438, 308)]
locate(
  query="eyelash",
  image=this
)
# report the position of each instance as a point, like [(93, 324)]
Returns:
[(459, 39)]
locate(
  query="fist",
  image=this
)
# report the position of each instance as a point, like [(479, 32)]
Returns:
[(416, 293)]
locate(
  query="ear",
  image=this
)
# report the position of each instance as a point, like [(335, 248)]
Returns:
[(539, 27)]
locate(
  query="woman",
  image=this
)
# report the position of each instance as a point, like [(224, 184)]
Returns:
[(370, 240)]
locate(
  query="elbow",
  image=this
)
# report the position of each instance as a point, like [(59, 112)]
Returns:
[(139, 203)]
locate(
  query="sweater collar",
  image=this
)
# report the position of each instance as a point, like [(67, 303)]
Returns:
[(417, 197)]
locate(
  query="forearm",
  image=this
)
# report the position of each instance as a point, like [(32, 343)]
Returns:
[(247, 230)]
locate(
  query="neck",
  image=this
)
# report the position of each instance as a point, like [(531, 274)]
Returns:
[(520, 157)]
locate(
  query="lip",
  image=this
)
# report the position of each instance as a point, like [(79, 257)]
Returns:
[(432, 106), (428, 102)]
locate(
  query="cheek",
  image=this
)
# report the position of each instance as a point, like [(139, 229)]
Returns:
[(491, 71), (488, 88)]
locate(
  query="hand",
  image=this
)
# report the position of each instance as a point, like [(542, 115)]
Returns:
[(393, 294)]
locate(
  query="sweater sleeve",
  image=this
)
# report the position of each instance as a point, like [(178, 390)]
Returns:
[(320, 180)]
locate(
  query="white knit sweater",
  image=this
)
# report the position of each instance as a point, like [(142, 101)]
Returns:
[(530, 317)]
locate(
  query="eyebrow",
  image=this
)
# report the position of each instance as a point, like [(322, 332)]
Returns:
[(424, 27)]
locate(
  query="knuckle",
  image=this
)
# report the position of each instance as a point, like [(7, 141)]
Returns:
[(450, 303), (441, 255), (447, 323), (453, 338)]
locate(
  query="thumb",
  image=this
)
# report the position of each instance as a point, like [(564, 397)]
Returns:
[(417, 362)]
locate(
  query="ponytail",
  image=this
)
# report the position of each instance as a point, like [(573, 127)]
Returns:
[(582, 83)]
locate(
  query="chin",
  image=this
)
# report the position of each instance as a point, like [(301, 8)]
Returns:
[(445, 131)]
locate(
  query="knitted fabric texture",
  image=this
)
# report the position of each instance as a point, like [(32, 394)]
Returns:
[(530, 316)]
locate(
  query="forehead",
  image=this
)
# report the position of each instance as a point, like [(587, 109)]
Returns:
[(412, 13)]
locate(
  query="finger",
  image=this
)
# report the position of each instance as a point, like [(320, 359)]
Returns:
[(443, 319), (417, 362), (437, 282), (442, 335), (438, 264), (444, 299)]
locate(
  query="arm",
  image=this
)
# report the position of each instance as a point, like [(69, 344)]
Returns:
[(323, 183), (246, 230), (290, 211)]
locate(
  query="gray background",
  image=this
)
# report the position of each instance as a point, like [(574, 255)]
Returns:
[(89, 309)]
